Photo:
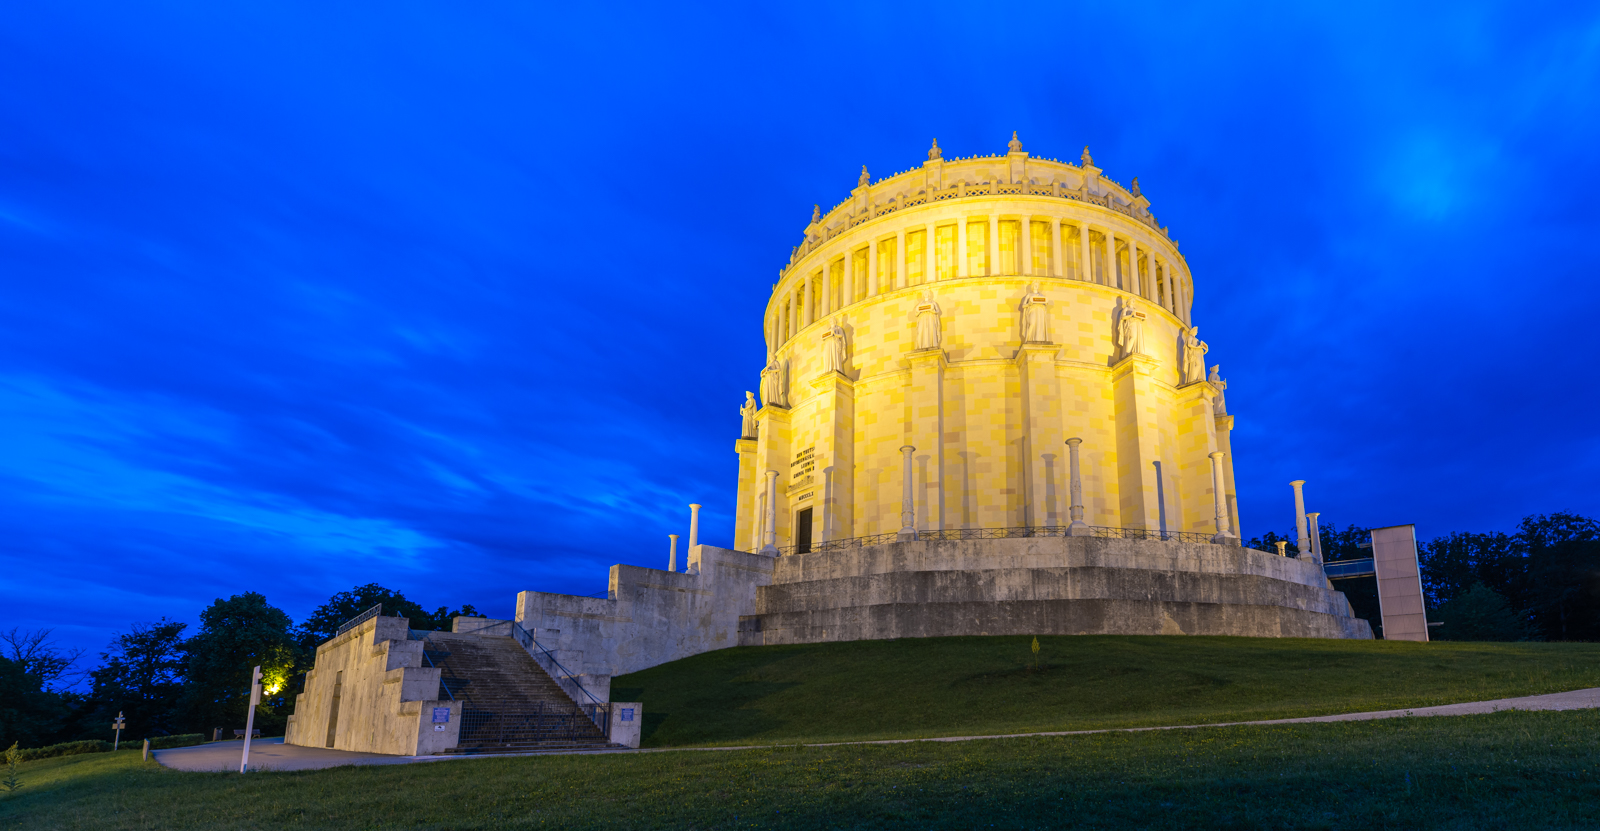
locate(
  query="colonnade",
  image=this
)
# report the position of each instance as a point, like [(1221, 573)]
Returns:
[(862, 272)]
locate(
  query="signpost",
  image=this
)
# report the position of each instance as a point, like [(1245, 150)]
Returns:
[(250, 720), (117, 727)]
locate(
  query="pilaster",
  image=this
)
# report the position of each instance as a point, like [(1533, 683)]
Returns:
[(749, 485), (772, 453), (925, 423), (1138, 439), (834, 410), (1042, 418), (1197, 440), (1224, 433)]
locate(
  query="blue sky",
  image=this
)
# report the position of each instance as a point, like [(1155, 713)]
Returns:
[(463, 299)]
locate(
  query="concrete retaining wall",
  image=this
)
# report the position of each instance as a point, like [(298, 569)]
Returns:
[(386, 696)]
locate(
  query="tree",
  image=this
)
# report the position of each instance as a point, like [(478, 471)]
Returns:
[(1455, 562), (141, 676), (1480, 614), (34, 707), (235, 636), (326, 619)]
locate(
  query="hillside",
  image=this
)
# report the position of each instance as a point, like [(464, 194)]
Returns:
[(987, 685)]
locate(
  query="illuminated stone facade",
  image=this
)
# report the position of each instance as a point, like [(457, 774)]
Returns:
[(951, 250)]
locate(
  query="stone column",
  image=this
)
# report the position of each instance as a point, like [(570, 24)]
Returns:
[(1110, 259), (1057, 254), (1224, 431), (1085, 255), (925, 397), (759, 526), (1161, 500), (961, 247), (794, 313), (1042, 420), (1283, 545), (672, 552), (771, 546), (1316, 533), (872, 268), (991, 247), (1025, 245), (694, 525), (899, 264), (1224, 535), (1302, 535), (849, 277), (1078, 528), (908, 513)]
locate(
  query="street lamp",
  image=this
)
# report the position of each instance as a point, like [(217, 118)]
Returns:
[(117, 727)]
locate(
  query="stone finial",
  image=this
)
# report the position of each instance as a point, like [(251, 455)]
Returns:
[(1086, 160), (935, 153), (1136, 187), (1014, 144), (865, 179), (816, 214)]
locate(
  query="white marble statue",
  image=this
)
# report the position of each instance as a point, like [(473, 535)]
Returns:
[(1035, 317), (772, 386), (748, 411), (835, 357), (1219, 405), (1130, 329), (927, 313), (1194, 357)]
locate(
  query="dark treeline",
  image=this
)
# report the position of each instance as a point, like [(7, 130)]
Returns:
[(1541, 583), (166, 681)]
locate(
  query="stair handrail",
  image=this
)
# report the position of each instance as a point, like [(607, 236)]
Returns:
[(360, 619), (526, 638), (441, 672)]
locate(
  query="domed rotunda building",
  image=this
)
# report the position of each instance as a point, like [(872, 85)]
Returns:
[(978, 333)]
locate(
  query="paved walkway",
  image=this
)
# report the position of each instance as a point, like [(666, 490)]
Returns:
[(273, 754)]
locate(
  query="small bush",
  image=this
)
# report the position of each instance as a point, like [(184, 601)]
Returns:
[(185, 740), (64, 749)]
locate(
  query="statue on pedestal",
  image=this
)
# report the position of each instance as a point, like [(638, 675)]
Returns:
[(772, 386), (927, 313), (1129, 329), (1035, 316), (748, 429), (1219, 406), (834, 354), (1194, 357)]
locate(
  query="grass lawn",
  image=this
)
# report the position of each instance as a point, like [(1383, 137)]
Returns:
[(983, 685), (1503, 771)]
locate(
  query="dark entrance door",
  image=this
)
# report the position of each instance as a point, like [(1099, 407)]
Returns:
[(802, 531)]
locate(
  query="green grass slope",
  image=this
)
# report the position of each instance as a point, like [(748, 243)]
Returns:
[(925, 687), (1509, 771)]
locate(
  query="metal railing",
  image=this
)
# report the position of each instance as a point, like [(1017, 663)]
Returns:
[(598, 711), (1103, 532), (360, 619), (543, 722)]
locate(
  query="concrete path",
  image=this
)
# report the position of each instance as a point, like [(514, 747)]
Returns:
[(273, 754)]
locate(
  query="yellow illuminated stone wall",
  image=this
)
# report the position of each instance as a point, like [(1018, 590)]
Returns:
[(988, 414)]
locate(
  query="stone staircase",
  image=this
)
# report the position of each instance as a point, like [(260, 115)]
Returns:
[(509, 704)]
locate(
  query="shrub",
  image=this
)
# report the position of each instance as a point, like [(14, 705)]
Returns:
[(185, 740), (64, 749)]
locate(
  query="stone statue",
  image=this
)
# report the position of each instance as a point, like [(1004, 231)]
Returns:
[(1035, 317), (1130, 329), (772, 386), (1219, 405), (1194, 357), (865, 179), (1086, 160), (834, 357), (935, 153), (748, 430), (816, 214), (1136, 187), (927, 313), (1015, 145)]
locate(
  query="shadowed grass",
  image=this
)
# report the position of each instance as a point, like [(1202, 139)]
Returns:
[(984, 685), (1505, 771)]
